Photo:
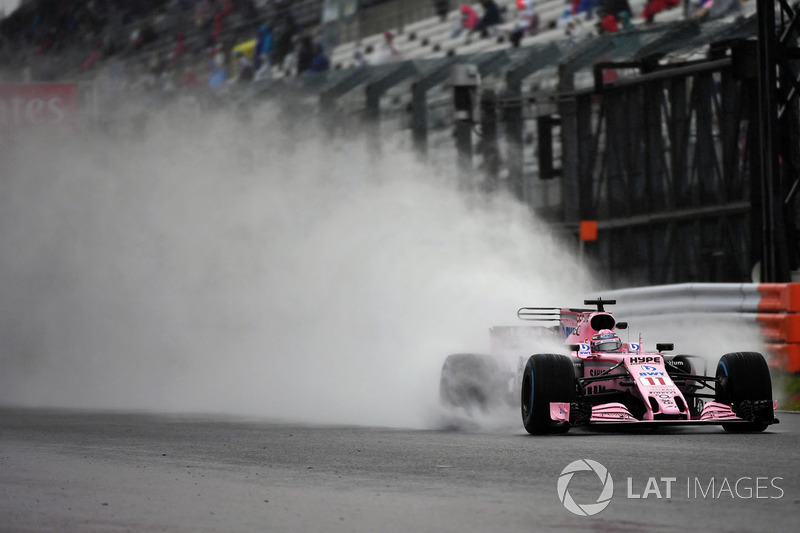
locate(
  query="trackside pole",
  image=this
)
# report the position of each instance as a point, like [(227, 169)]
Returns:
[(466, 82)]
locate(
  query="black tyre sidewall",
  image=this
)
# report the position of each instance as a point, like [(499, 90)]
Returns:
[(547, 378), (743, 376)]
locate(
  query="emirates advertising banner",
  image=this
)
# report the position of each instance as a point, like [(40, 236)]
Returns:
[(24, 106)]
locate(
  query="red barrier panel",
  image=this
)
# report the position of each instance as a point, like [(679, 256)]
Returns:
[(779, 297), (785, 356), (780, 327), (38, 104)]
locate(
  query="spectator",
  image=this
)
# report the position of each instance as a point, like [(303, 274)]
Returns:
[(442, 7), (565, 18), (320, 61), (244, 70), (468, 21), (490, 19), (387, 52), (264, 46), (574, 31), (359, 60), (305, 54), (527, 22), (285, 31), (583, 6), (388, 42), (217, 75), (179, 50), (607, 24), (624, 20), (714, 9), (614, 7), (653, 7), (219, 25)]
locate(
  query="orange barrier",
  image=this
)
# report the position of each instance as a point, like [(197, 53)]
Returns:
[(779, 297), (780, 327), (785, 356), (779, 318)]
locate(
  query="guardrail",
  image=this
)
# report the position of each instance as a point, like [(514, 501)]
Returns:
[(774, 307)]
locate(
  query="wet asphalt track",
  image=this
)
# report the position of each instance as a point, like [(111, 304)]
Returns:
[(62, 471)]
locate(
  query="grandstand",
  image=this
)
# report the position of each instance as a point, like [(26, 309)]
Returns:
[(426, 45), (665, 107), (431, 37), (420, 34)]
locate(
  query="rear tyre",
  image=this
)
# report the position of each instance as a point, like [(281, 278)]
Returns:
[(681, 364), (469, 381), (743, 382), (546, 378)]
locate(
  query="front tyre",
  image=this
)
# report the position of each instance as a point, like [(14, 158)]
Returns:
[(743, 382), (547, 378)]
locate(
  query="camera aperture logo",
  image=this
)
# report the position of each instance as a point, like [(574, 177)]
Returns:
[(587, 509)]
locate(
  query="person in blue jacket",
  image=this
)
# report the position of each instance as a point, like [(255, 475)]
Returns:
[(320, 62), (264, 45), (491, 17)]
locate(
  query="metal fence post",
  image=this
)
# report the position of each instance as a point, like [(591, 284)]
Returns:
[(465, 86), (489, 148)]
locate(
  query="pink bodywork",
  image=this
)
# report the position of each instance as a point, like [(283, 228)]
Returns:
[(648, 376), (616, 412)]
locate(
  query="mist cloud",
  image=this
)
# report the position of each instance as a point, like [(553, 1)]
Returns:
[(206, 268)]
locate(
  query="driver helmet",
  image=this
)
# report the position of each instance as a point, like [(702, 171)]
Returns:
[(606, 341)]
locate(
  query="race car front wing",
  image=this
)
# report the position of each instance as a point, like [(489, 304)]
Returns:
[(583, 413)]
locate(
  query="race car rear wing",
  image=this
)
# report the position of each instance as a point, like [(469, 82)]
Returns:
[(553, 314), (566, 318), (548, 313)]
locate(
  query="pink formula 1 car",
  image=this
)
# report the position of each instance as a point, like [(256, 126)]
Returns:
[(603, 381), (607, 382)]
